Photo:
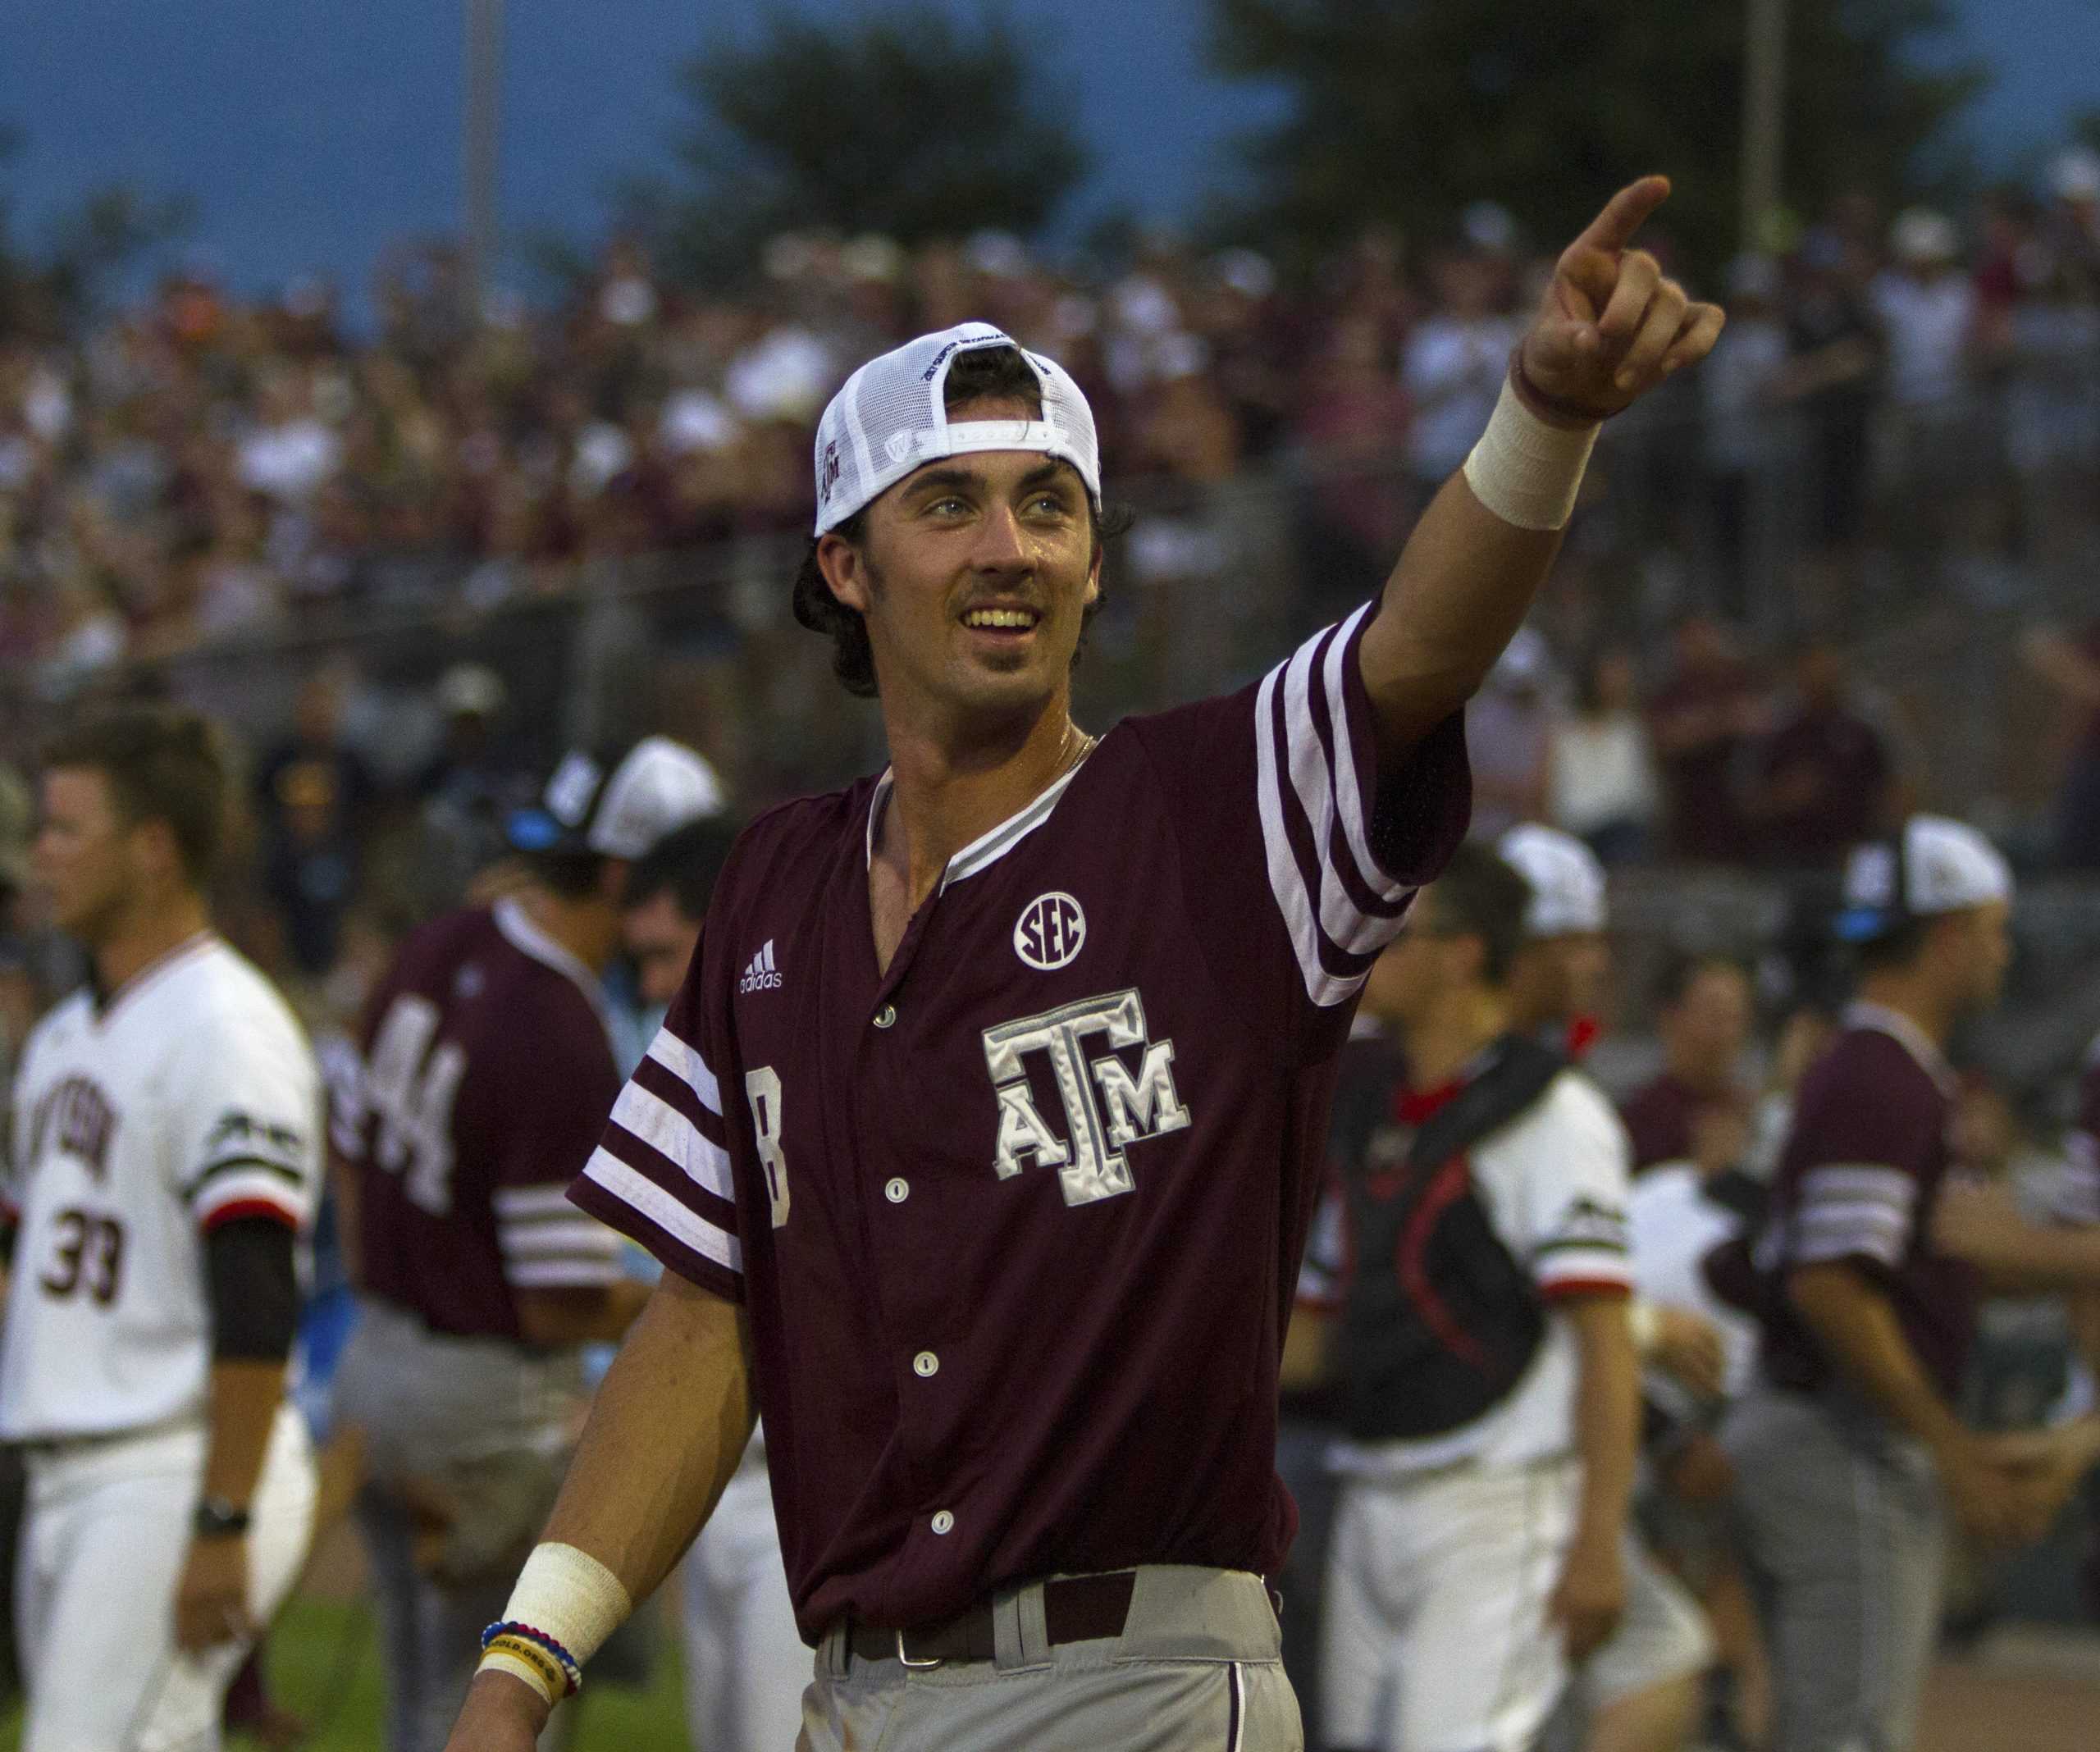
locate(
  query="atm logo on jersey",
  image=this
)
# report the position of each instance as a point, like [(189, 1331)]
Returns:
[(761, 975), (1107, 1108)]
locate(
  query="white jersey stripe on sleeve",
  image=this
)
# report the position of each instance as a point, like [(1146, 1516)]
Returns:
[(1286, 882), (643, 1196), (562, 1274), (1852, 1182), (685, 1063), (1815, 1244), (1323, 773), (672, 1135), (578, 1235), (1349, 794), (1314, 777), (1357, 909), (249, 1187), (511, 1203), (1584, 1266), (1829, 1215)]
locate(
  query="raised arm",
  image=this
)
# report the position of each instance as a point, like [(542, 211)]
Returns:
[(1610, 328)]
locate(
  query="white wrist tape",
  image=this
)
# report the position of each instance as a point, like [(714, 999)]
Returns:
[(566, 1593), (1525, 471)]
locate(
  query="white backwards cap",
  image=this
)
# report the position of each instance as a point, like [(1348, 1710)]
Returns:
[(1567, 882), (660, 785), (892, 418), (1935, 865)]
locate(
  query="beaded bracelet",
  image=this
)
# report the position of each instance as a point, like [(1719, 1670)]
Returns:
[(506, 1631), (528, 1661)]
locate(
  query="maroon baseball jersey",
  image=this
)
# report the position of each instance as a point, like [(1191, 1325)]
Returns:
[(1658, 1118), (1858, 1179), (483, 1081), (1017, 1221), (1849, 762)]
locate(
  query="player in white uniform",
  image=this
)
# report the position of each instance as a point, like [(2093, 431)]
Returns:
[(1642, 1690), (167, 1159), (1477, 1552)]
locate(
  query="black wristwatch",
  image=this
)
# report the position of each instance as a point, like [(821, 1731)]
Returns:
[(217, 1518)]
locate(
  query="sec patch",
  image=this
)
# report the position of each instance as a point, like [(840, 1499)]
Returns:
[(1050, 932)]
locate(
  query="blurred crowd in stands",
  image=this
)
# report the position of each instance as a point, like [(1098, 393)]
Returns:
[(1903, 405)]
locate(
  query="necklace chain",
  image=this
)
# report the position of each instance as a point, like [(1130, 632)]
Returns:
[(1067, 762)]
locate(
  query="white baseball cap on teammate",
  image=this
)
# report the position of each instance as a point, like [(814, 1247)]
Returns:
[(1567, 882), (1935, 864), (891, 418), (658, 785)]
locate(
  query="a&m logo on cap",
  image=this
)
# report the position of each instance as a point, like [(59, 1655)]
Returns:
[(827, 478), (1050, 932)]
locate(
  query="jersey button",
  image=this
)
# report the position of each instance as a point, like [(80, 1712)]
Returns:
[(943, 1521), (886, 1017), (926, 1363), (897, 1191)]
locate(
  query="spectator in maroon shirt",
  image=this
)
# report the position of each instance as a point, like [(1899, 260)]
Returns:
[(1823, 782), (1703, 717), (1705, 1024)]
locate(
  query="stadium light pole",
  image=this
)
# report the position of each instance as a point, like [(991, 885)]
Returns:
[(478, 145), (1763, 115)]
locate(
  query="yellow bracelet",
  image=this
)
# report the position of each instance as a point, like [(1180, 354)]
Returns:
[(524, 1660)]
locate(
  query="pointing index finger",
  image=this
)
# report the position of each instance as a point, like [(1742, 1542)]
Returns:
[(1624, 214)]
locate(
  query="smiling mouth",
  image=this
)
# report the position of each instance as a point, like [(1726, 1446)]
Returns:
[(1002, 620)]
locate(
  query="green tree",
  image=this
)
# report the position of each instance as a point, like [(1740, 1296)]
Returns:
[(14, 271), (108, 231), (87, 246), (1405, 109), (907, 122)]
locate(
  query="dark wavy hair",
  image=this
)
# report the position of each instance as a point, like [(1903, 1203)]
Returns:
[(987, 374)]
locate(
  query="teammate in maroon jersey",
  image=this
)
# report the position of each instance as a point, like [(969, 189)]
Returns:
[(1849, 1454), (982, 1139), (485, 1071)]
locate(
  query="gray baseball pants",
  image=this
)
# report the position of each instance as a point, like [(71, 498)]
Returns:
[(1844, 1531), (1198, 1669), (485, 1424)]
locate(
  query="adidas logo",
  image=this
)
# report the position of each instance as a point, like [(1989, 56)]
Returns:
[(761, 975)]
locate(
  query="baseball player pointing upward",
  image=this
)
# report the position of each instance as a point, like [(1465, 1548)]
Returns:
[(981, 1141)]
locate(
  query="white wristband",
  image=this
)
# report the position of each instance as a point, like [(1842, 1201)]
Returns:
[(567, 1594), (1525, 471)]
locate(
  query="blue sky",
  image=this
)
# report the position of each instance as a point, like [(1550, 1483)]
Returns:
[(310, 132)]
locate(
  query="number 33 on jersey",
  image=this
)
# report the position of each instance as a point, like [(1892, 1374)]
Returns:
[(187, 1099)]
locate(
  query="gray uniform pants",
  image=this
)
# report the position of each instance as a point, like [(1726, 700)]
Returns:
[(1198, 1669), (482, 1426), (1843, 1529)]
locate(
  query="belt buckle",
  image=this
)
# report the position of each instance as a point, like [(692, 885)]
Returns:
[(904, 1655)]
